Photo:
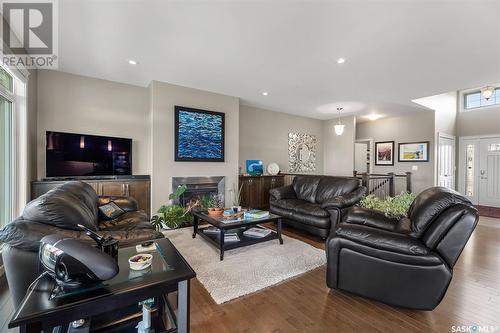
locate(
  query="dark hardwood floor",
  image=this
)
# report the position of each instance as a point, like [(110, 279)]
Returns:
[(305, 304)]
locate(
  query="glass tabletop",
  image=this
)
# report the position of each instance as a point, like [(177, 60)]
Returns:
[(125, 275)]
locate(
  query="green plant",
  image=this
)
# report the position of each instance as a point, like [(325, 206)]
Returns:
[(211, 201), (236, 195), (393, 206), (172, 216), (178, 192)]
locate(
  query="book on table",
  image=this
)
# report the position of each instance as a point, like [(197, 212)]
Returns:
[(257, 232), (231, 237), (256, 214)]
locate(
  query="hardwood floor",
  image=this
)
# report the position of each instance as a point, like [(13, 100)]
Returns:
[(305, 304)]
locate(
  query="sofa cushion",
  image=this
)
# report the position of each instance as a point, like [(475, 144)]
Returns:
[(331, 187), (305, 187), (301, 206), (127, 221), (65, 206), (316, 221)]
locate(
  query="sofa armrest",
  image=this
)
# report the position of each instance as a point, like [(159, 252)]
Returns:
[(285, 192), (381, 239), (128, 204), (346, 200), (371, 218)]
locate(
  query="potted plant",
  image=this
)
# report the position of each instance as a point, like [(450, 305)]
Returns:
[(172, 216), (215, 206)]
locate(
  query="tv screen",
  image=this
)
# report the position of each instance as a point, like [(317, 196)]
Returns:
[(69, 154)]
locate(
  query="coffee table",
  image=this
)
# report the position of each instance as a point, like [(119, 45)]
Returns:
[(112, 306), (223, 226)]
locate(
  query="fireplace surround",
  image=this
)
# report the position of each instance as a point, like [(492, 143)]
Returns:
[(198, 187)]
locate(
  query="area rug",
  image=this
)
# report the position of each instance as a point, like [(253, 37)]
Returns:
[(248, 269)]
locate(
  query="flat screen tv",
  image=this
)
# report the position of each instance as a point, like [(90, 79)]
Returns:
[(70, 154)]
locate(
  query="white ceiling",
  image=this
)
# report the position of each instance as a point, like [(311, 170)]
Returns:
[(395, 50)]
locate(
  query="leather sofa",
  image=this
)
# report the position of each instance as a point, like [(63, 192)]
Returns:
[(315, 203), (58, 212), (406, 262)]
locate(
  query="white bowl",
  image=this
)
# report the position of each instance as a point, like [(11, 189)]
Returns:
[(138, 265)]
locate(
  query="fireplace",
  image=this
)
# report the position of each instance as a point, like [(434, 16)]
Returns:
[(198, 187)]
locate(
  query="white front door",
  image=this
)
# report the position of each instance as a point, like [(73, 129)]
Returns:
[(489, 172), (446, 161)]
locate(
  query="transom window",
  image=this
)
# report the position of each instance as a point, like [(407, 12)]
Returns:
[(476, 100)]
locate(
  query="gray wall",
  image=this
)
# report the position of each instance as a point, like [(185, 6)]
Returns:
[(78, 104), (339, 150), (416, 126), (163, 98), (479, 122), (264, 136)]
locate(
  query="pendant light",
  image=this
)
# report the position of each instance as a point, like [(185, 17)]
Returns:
[(339, 127)]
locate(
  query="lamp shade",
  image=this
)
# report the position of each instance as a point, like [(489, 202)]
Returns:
[(339, 129)]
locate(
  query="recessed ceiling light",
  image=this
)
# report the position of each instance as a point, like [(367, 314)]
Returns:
[(132, 62), (340, 60), (265, 93), (374, 116)]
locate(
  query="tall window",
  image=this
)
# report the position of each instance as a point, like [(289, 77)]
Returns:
[(6, 145)]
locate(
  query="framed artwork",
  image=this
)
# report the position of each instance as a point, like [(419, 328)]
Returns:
[(255, 167), (384, 153), (302, 152), (413, 152), (199, 135)]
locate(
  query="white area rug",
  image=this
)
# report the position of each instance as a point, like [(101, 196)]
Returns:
[(247, 269)]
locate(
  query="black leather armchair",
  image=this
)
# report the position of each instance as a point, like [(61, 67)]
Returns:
[(406, 262), (315, 203), (58, 212)]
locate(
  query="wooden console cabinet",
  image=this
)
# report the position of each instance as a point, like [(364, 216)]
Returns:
[(255, 190), (138, 187)]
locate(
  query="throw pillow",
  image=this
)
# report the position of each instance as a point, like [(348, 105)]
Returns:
[(110, 211)]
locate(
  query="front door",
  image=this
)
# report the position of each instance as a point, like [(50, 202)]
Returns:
[(489, 172), (446, 161)]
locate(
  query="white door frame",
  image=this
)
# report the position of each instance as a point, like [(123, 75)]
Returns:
[(370, 144), (461, 163), (438, 141)]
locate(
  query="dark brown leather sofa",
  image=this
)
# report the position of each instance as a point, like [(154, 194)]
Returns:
[(58, 212), (315, 203), (406, 262)]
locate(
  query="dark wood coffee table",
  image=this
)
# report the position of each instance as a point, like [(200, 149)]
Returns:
[(223, 226)]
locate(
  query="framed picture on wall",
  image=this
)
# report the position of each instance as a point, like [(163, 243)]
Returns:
[(199, 135), (384, 153), (413, 151)]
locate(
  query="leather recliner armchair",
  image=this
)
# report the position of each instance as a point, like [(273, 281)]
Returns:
[(58, 212), (315, 203), (405, 262)]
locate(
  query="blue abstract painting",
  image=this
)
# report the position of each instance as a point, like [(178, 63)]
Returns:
[(255, 167), (199, 135)]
